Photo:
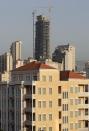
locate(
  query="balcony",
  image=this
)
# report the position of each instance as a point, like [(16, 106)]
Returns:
[(84, 129), (27, 96), (84, 117), (27, 110), (83, 94), (83, 106), (27, 123)]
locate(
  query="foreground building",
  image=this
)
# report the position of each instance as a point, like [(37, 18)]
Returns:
[(41, 98)]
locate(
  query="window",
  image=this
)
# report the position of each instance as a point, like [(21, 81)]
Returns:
[(34, 128), (59, 89), (50, 117), (50, 91), (50, 78), (86, 88), (71, 89), (59, 102), (71, 126), (76, 125), (33, 116), (39, 117), (43, 78), (34, 103), (50, 128), (59, 127), (71, 101), (44, 117), (86, 111), (43, 129), (34, 90), (39, 129), (39, 104), (86, 123), (59, 114), (65, 95), (39, 91), (65, 107), (71, 113), (76, 89), (76, 113), (44, 104), (65, 119), (50, 104), (43, 91)]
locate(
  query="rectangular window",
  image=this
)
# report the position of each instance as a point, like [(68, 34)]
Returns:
[(50, 78), (34, 117), (59, 127), (50, 117), (39, 91), (39, 117), (34, 103), (71, 113), (59, 102), (34, 128), (43, 129), (34, 90), (65, 95), (50, 128), (39, 104), (71, 126), (50, 91), (71, 89), (43, 91), (50, 104), (44, 117), (59, 114), (71, 101), (59, 89), (43, 78), (44, 104)]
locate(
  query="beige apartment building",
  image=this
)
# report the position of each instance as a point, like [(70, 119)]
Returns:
[(41, 98)]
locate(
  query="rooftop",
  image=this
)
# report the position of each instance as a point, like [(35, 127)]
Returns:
[(33, 66), (65, 75)]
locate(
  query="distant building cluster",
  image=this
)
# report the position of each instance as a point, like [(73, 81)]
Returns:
[(44, 93)]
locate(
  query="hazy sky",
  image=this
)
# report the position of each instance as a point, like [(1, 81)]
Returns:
[(69, 23)]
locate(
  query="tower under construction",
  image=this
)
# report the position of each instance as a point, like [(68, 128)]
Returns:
[(42, 41)]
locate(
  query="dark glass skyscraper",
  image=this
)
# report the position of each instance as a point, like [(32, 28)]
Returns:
[(42, 42)]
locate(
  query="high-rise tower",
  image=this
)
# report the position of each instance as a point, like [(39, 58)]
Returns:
[(16, 51), (42, 42)]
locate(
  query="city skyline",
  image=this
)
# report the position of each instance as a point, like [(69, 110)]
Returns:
[(69, 23)]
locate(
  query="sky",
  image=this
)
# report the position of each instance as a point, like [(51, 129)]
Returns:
[(69, 24)]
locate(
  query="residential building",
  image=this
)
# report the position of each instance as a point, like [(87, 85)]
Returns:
[(16, 51), (42, 38), (87, 69), (5, 62), (65, 54), (41, 98)]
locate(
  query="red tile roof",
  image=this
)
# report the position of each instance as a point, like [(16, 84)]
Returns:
[(33, 66), (65, 75)]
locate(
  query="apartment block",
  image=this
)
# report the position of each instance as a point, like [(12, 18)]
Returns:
[(65, 54), (16, 51), (5, 62), (41, 98)]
